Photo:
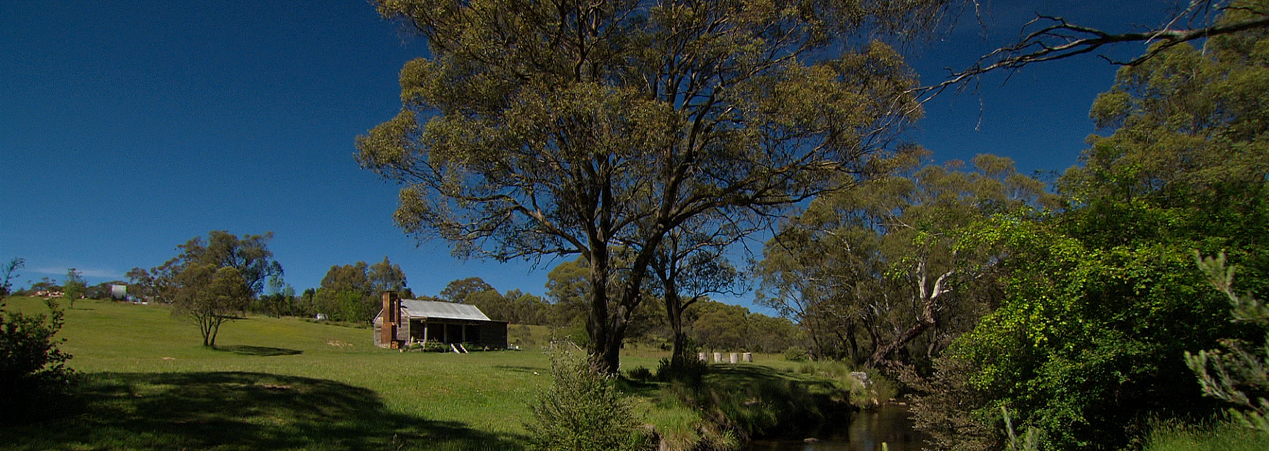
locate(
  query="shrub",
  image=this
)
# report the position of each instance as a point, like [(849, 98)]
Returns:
[(1240, 373), (33, 369), (692, 371), (878, 389), (795, 354), (949, 409), (640, 374), (582, 411), (864, 391)]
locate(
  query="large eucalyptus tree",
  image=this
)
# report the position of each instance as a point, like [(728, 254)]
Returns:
[(870, 271), (595, 127)]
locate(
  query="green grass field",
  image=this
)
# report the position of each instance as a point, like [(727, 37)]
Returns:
[(289, 384)]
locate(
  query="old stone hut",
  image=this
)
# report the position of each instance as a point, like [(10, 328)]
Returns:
[(410, 320)]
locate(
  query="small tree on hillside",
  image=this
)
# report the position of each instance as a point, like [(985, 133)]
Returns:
[(75, 286), (209, 296), (249, 255), (6, 283)]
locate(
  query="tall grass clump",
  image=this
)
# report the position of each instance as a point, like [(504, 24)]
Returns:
[(689, 371), (730, 404), (582, 411), (1225, 436), (765, 405), (640, 374), (1027, 442), (876, 389), (683, 424), (864, 388)]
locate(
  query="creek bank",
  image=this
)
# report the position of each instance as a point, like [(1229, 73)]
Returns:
[(727, 407), (864, 430)]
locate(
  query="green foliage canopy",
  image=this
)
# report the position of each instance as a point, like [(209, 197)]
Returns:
[(586, 127), (1238, 375), (1103, 301), (75, 286), (209, 280), (859, 265), (248, 254), (460, 290), (352, 292), (209, 296)]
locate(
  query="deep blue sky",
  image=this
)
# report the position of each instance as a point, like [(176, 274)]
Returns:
[(129, 127)]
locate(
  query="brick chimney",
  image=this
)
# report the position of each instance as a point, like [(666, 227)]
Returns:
[(391, 318)]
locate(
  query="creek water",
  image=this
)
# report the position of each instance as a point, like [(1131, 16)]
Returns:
[(865, 431)]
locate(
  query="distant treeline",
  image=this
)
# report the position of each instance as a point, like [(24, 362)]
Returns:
[(351, 293)]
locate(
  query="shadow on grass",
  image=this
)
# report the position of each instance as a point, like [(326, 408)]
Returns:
[(761, 401), (233, 410), (745, 372), (640, 388), (524, 369), (263, 351)]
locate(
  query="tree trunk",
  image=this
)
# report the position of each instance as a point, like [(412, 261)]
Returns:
[(851, 329), (901, 340), (204, 326), (817, 346), (215, 329), (610, 355), (605, 344), (674, 311), (925, 321)]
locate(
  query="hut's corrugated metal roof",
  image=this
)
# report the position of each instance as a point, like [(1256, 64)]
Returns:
[(415, 308)]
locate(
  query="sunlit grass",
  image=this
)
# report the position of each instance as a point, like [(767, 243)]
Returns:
[(289, 383), (128, 352), (1223, 436)]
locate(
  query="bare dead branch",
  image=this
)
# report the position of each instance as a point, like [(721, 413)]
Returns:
[(1058, 39)]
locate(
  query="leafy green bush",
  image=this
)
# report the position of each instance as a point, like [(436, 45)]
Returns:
[(582, 411), (871, 390), (32, 367), (795, 354), (692, 371), (640, 374), (1238, 374), (867, 390)]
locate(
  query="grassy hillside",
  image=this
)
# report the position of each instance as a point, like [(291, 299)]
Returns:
[(285, 384)]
